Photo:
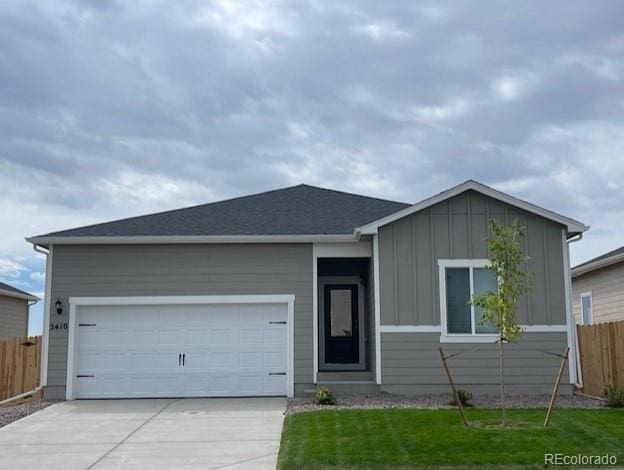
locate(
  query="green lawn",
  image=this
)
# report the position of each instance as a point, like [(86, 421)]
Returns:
[(436, 438)]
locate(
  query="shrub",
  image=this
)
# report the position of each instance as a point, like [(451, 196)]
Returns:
[(324, 396), (464, 397), (615, 396)]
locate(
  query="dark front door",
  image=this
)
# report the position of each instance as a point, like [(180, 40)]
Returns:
[(341, 324)]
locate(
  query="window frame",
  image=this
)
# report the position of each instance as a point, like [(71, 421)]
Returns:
[(445, 336), (591, 308)]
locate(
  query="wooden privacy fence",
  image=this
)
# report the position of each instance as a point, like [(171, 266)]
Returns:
[(601, 348), (20, 362)]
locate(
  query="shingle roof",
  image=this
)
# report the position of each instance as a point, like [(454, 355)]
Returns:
[(297, 210), (7, 289), (606, 259)]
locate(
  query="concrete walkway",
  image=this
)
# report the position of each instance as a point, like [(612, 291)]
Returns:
[(209, 433)]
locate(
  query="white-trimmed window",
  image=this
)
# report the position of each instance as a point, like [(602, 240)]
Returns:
[(460, 280), (587, 308)]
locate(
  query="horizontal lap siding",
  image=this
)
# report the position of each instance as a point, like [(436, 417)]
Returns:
[(153, 270), (607, 288), (13, 317), (413, 359), (457, 229)]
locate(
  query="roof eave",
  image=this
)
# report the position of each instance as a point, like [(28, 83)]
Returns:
[(19, 295), (593, 266), (573, 227), (192, 239)]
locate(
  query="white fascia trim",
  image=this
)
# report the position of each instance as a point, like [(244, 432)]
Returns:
[(603, 263), (573, 226), (291, 347), (47, 298), (544, 328), (146, 240), (183, 300), (75, 302), (19, 295), (315, 321), (410, 328), (376, 281), (469, 339), (463, 263), (438, 329), (361, 249)]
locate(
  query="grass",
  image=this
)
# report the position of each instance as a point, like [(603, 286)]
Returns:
[(410, 438)]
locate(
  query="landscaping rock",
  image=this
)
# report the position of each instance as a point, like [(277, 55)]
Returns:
[(387, 400), (10, 413)]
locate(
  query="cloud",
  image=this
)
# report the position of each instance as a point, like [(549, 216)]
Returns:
[(37, 276), (113, 109), (381, 31), (10, 268)]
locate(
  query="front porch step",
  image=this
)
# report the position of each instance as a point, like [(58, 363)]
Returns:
[(361, 376), (342, 388)]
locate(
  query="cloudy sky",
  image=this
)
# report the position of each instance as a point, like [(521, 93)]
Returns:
[(111, 108)]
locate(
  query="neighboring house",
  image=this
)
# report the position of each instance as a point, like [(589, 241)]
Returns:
[(14, 306), (598, 289), (275, 293)]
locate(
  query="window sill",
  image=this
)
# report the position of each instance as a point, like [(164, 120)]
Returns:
[(468, 338)]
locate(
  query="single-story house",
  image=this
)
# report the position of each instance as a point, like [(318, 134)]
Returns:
[(282, 291), (598, 289), (14, 308)]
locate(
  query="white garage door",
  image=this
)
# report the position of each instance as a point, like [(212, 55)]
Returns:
[(180, 350)]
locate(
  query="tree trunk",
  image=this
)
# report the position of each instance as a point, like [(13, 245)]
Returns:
[(502, 382)]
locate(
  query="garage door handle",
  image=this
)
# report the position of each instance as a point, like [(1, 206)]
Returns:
[(183, 359), (277, 323), (277, 373), (179, 359)]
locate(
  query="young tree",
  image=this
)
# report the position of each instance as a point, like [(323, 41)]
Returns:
[(499, 308)]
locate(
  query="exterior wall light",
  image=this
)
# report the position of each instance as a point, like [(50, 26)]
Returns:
[(59, 306)]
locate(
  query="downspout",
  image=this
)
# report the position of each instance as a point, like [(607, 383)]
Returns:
[(43, 376), (577, 356)]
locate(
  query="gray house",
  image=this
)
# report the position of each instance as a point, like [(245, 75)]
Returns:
[(275, 293), (14, 307)]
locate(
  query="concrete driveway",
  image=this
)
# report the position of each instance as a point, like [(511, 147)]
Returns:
[(208, 433)]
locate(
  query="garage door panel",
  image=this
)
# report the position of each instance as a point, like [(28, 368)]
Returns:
[(274, 383), (134, 351), (146, 337), (222, 336)]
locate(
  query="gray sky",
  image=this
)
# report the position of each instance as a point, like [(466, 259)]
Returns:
[(110, 109)]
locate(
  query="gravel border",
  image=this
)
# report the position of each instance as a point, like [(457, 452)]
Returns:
[(438, 401), (11, 413)]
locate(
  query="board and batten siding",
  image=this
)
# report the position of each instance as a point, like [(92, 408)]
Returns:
[(409, 296), (457, 229), (607, 288), (161, 270), (13, 317)]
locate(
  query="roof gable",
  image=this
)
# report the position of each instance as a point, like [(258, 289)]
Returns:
[(572, 226)]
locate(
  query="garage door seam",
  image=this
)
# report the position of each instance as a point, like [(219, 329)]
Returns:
[(131, 434)]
